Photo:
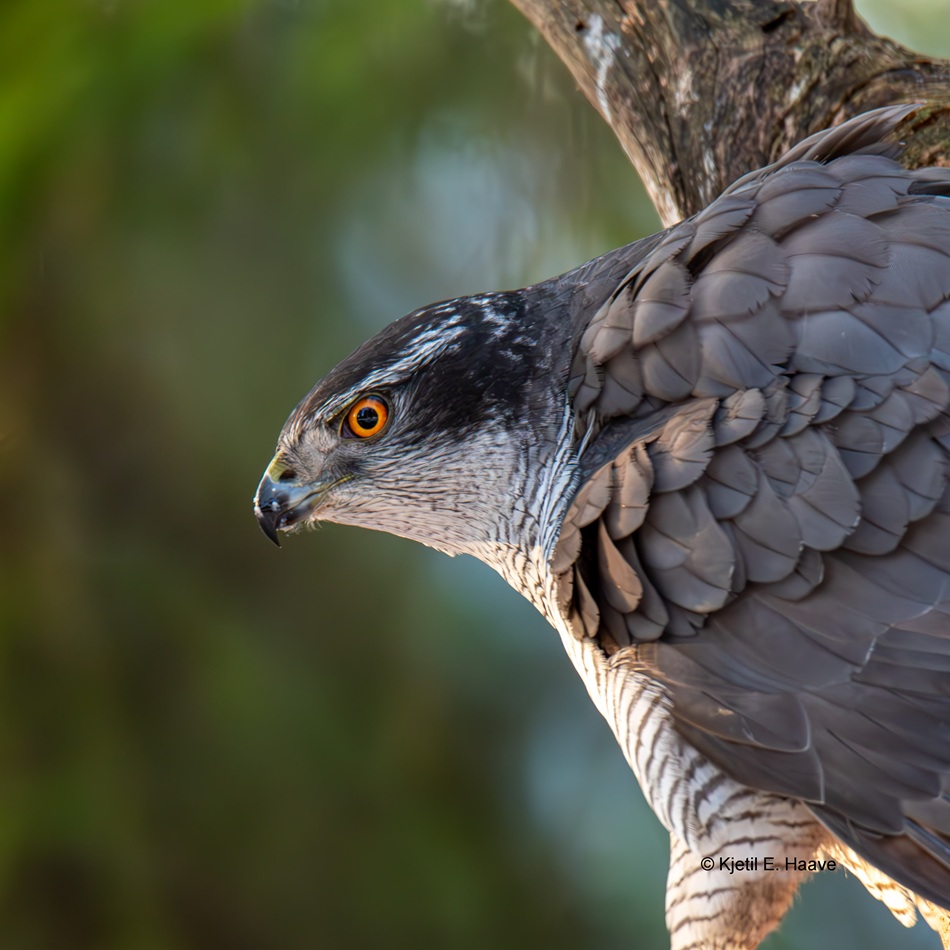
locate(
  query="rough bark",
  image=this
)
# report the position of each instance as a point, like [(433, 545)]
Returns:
[(700, 91)]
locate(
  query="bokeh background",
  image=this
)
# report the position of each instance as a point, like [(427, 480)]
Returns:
[(206, 742)]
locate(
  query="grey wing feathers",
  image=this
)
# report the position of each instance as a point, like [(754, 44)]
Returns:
[(763, 524)]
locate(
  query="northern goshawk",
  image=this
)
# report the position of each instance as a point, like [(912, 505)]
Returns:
[(716, 460)]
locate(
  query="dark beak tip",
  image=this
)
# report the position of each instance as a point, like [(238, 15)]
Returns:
[(269, 505), (271, 533), (268, 524)]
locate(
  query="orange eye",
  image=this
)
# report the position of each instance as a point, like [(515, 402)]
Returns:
[(367, 416)]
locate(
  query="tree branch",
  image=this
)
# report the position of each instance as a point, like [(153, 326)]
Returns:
[(701, 91)]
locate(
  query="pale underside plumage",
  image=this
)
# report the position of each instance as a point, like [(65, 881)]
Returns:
[(761, 535)]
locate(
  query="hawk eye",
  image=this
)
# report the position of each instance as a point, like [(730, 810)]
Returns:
[(366, 417)]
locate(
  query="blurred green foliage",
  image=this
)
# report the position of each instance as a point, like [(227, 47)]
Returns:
[(205, 742)]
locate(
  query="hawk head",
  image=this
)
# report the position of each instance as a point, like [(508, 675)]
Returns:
[(431, 430)]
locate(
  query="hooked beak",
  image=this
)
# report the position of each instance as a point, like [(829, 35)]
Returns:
[(282, 501)]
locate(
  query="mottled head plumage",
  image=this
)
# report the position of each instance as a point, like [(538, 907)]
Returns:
[(469, 397), (465, 359)]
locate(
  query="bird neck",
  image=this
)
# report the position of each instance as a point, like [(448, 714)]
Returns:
[(522, 545)]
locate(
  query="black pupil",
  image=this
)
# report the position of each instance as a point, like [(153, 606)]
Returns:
[(367, 418)]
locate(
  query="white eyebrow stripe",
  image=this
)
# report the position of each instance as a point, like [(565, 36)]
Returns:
[(417, 351)]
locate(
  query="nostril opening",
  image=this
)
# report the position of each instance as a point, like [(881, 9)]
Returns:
[(287, 475)]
